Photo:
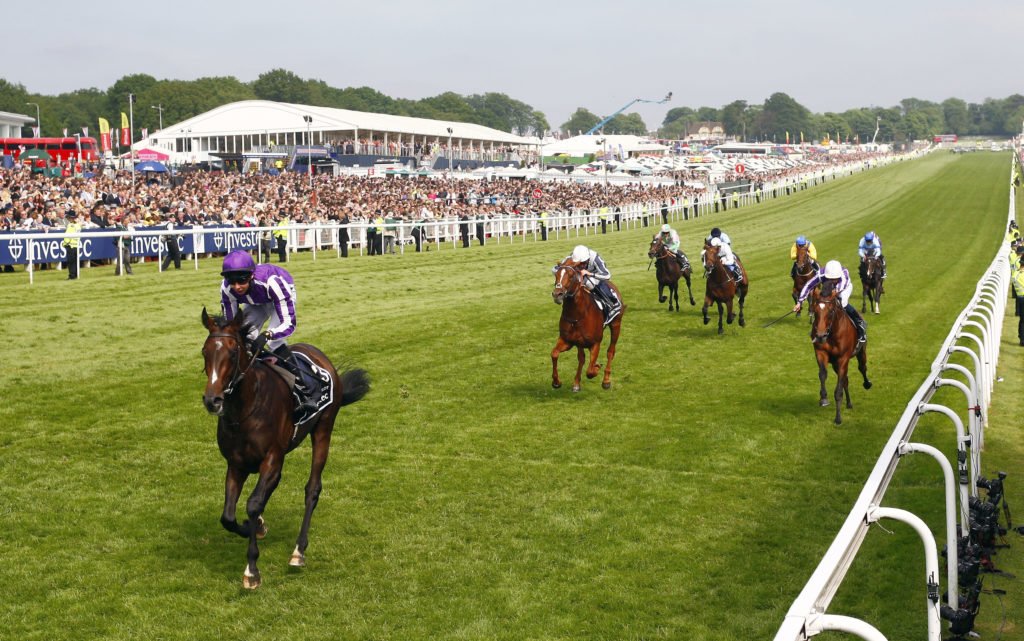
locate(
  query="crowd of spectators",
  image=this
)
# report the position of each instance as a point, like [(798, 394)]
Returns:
[(35, 202)]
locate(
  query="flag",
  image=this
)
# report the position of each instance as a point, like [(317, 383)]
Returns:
[(125, 130), (145, 133), (65, 132), (801, 137), (104, 134), (787, 137), (85, 131), (35, 132)]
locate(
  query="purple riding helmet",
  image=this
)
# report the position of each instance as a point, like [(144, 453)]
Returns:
[(238, 264)]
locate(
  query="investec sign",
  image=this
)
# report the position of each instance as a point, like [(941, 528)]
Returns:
[(203, 240)]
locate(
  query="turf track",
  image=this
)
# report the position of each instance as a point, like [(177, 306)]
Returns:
[(464, 498)]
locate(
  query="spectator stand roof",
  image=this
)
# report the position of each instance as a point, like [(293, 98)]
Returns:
[(260, 119)]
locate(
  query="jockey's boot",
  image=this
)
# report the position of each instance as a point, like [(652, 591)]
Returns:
[(859, 323), (737, 274), (612, 305), (307, 388), (683, 263)]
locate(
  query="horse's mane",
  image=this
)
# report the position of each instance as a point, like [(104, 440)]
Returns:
[(828, 288)]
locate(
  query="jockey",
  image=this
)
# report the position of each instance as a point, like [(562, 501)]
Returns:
[(595, 278), (268, 292), (871, 243), (812, 253), (670, 238), (721, 235), (834, 272), (728, 258)]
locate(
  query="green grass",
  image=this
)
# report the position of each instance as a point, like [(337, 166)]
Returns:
[(466, 499)]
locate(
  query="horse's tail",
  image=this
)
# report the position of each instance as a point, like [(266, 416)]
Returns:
[(355, 383)]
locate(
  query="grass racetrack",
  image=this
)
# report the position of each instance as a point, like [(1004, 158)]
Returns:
[(464, 498)]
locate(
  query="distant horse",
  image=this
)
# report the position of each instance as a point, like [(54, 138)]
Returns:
[(255, 428), (668, 272), (871, 282), (581, 326), (834, 337), (803, 271), (722, 288)]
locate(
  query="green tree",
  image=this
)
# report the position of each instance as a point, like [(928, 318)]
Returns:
[(13, 97), (626, 124), (781, 115), (734, 118), (582, 120), (281, 85), (498, 111), (954, 111), (136, 84), (446, 106)]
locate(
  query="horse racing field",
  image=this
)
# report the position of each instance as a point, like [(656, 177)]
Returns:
[(465, 498)]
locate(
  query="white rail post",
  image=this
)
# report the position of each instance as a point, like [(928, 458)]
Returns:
[(931, 560)]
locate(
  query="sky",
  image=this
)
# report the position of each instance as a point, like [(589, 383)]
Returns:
[(556, 56)]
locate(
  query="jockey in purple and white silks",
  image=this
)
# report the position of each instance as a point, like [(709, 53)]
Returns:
[(268, 293), (840, 277)]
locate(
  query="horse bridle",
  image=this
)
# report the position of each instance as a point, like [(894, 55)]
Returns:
[(576, 276), (239, 373), (832, 303)]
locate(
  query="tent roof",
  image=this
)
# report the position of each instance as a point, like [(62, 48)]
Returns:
[(581, 145), (263, 116)]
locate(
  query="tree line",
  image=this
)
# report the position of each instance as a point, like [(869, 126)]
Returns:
[(779, 117)]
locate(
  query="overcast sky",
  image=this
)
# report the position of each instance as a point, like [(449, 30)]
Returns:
[(555, 55)]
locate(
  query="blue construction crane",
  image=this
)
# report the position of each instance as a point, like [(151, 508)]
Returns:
[(631, 103)]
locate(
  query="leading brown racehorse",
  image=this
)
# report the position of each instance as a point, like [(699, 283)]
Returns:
[(803, 271), (834, 338), (581, 325), (668, 272), (721, 287), (255, 428)]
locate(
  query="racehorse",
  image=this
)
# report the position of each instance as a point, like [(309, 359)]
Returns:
[(581, 325), (803, 271), (834, 337), (721, 287), (255, 428), (871, 282), (668, 272)]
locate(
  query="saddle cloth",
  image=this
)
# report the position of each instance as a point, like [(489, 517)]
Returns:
[(309, 370)]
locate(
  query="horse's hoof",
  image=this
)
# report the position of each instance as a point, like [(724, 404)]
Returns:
[(823, 403), (556, 384), (839, 421), (261, 529), (298, 559), (607, 385), (251, 581), (661, 299), (707, 320), (743, 323), (720, 331), (868, 384), (575, 388)]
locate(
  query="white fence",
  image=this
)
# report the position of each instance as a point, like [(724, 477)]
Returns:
[(975, 333)]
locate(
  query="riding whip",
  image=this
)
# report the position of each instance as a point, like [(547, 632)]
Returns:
[(778, 319)]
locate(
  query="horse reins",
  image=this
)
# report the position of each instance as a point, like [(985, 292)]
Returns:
[(239, 373)]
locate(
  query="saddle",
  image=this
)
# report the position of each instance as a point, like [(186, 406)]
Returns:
[(309, 371)]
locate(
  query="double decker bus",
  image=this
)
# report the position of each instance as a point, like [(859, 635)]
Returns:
[(61, 150)]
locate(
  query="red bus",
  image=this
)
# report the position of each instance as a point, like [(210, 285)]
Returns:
[(61, 150)]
